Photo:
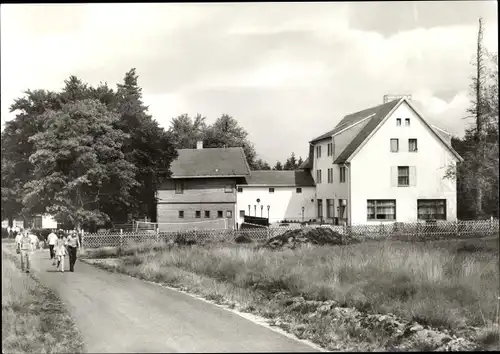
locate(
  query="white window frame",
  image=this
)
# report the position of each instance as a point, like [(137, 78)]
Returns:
[(410, 145), (372, 203), (433, 214), (397, 144), (400, 176), (298, 190), (342, 174)]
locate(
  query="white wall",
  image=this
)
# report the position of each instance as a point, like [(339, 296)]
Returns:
[(48, 222), (285, 203), (325, 190), (371, 169)]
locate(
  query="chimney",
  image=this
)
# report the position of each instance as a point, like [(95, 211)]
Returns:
[(199, 144), (388, 98)]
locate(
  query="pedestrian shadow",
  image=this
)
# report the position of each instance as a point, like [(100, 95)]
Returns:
[(52, 271)]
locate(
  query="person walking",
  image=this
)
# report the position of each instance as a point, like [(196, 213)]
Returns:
[(34, 240), (60, 252), (26, 247), (73, 242), (52, 239)]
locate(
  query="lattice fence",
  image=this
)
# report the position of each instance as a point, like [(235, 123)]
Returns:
[(395, 231)]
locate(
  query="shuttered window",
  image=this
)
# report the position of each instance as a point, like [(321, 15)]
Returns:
[(403, 176)]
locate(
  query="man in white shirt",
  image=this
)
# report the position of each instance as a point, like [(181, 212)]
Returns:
[(52, 239), (26, 247)]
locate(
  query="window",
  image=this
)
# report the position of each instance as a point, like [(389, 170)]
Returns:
[(330, 175), (431, 209), (398, 122), (271, 190), (329, 208), (242, 213), (342, 174), (407, 122), (228, 188), (207, 213), (330, 149), (181, 214), (394, 145), (179, 187), (412, 145), (197, 214), (240, 189), (383, 209), (298, 190), (229, 213), (320, 208), (219, 213), (403, 176), (318, 176), (318, 151)]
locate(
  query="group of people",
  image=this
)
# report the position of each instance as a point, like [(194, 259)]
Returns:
[(61, 244)]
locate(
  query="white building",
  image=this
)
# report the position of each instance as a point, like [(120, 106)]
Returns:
[(37, 222), (277, 195), (383, 164)]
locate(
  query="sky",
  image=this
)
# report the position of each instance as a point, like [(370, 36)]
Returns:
[(288, 72)]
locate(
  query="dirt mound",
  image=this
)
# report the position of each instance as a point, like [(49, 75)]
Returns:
[(307, 235)]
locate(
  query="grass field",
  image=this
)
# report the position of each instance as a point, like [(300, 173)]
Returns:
[(33, 319), (444, 284)]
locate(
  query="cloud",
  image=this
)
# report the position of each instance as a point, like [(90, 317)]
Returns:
[(283, 70)]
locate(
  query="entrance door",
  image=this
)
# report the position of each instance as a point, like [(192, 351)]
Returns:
[(320, 209)]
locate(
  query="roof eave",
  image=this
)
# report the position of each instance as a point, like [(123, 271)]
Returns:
[(273, 185), (209, 176)]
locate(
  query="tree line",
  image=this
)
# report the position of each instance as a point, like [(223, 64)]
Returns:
[(90, 155)]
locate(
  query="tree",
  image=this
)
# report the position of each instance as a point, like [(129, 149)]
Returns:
[(278, 166), (261, 165), (16, 147), (477, 176), (226, 132), (148, 147), (77, 161), (185, 131)]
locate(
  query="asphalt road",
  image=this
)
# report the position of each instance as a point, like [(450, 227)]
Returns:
[(119, 314)]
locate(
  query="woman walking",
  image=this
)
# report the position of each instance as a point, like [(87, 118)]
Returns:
[(60, 250), (73, 243)]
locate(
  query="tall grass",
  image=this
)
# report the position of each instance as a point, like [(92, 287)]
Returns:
[(33, 319), (445, 284)]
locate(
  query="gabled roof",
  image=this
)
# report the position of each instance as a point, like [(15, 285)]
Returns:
[(210, 162), (296, 178), (376, 113), (376, 121)]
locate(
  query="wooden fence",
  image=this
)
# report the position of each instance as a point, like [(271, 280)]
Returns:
[(394, 231)]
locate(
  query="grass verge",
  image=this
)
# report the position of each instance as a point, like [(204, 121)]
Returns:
[(33, 319), (451, 285)]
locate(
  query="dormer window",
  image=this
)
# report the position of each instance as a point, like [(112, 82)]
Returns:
[(398, 122)]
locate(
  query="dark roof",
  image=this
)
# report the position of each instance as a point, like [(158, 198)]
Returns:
[(210, 162), (379, 112), (306, 164), (298, 178)]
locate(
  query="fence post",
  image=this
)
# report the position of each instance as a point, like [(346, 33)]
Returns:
[(492, 230), (121, 237), (157, 234), (457, 228)]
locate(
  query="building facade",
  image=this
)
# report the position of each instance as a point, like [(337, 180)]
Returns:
[(201, 192), (383, 164), (277, 195)]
